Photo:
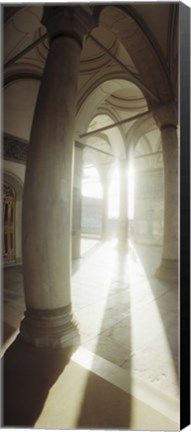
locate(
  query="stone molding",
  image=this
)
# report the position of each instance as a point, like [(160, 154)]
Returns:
[(14, 150), (166, 116), (168, 126)]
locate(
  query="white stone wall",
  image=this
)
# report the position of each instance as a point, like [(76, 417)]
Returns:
[(149, 207), (91, 215)]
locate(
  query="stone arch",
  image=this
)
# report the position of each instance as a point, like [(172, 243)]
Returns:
[(18, 73), (121, 21), (150, 208), (9, 200), (17, 185), (139, 128), (115, 117), (93, 84), (15, 182), (115, 139), (93, 98)]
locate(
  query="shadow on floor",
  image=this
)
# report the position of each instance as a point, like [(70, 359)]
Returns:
[(28, 375), (104, 406), (166, 302), (172, 333), (109, 406)]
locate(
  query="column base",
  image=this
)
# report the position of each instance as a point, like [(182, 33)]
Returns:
[(168, 270), (50, 328)]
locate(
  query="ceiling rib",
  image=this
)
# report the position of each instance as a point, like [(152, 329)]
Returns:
[(98, 150), (25, 50), (129, 119), (148, 154), (104, 128), (135, 79)]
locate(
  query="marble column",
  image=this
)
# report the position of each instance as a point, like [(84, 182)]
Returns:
[(46, 223), (123, 205), (77, 203), (168, 269)]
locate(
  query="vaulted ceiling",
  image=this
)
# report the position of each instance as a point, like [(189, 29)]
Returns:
[(128, 61)]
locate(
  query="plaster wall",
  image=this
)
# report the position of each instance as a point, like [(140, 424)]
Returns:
[(19, 104), (15, 168), (91, 216)]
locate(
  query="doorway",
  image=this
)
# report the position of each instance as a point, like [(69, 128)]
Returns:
[(9, 201)]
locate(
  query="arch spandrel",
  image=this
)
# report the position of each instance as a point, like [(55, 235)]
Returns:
[(97, 96), (141, 51)]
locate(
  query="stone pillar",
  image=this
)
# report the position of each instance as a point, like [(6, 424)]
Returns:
[(77, 203), (168, 269), (46, 230), (123, 205)]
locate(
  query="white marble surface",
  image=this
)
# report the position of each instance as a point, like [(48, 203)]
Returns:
[(125, 315)]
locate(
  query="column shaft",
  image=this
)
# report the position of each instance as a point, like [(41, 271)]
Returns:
[(77, 204), (47, 201), (123, 205), (169, 264)]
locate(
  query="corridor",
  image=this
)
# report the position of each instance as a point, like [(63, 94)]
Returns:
[(127, 321)]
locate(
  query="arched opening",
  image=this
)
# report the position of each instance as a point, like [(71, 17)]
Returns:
[(149, 189), (9, 203), (112, 101)]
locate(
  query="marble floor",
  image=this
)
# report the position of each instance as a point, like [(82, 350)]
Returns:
[(126, 317)]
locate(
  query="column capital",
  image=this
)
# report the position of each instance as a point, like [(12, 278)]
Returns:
[(166, 116), (71, 21)]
